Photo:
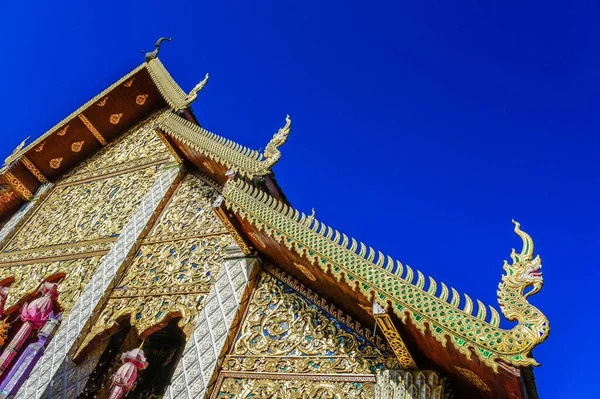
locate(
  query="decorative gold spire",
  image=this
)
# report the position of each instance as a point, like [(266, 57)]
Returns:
[(272, 153), (193, 94)]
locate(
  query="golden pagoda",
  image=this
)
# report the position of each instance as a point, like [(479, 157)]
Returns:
[(146, 257)]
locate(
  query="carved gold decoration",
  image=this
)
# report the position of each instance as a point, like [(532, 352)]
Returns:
[(86, 211), (249, 388), (141, 99), (40, 147), (272, 153), (136, 148), (115, 118), (305, 271), (55, 163), (245, 161), (284, 332), (18, 186), (63, 131), (385, 324), (34, 170), (92, 129), (166, 85), (474, 379), (129, 83), (77, 146), (193, 94), (404, 384), (230, 228), (16, 152), (189, 212), (175, 267), (102, 102), (27, 279), (75, 250), (4, 326), (358, 267)]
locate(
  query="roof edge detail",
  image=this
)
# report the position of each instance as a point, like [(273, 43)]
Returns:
[(392, 284), (247, 162), (172, 93)]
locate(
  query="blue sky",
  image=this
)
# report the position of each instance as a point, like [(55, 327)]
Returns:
[(420, 129)]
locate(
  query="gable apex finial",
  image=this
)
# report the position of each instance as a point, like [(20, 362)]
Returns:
[(153, 54)]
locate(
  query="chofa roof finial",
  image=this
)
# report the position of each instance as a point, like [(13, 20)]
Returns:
[(193, 94), (153, 54)]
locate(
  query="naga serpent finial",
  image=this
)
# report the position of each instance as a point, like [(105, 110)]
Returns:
[(525, 272), (193, 94), (153, 54), (272, 153)]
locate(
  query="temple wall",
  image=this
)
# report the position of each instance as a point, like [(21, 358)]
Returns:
[(293, 343), (79, 235)]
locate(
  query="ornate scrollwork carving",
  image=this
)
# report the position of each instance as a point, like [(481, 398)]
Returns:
[(242, 388), (82, 212), (140, 145), (284, 332)]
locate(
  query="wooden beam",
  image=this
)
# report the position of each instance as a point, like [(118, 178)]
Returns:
[(34, 170), (92, 129), (17, 186)]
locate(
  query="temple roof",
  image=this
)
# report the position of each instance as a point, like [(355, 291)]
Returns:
[(440, 334)]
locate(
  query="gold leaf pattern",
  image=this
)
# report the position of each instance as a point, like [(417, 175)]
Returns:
[(115, 118), (63, 131), (55, 163), (76, 146), (102, 102), (141, 99)]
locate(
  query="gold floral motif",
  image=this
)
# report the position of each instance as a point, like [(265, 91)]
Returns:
[(55, 163), (40, 147), (395, 285), (27, 279), (473, 379), (284, 332), (63, 131), (87, 211), (92, 129), (77, 146), (102, 102), (129, 83), (189, 212), (247, 388), (141, 99), (138, 146), (115, 118)]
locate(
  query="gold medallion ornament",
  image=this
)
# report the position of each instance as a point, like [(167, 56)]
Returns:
[(141, 99), (76, 146), (474, 379), (55, 163), (40, 147), (115, 118), (63, 131), (129, 83), (102, 102)]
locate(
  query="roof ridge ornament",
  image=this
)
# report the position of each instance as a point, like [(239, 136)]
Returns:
[(272, 153), (16, 152), (153, 54), (193, 94)]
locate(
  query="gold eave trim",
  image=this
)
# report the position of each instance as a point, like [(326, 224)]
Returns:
[(356, 266), (171, 92), (232, 155)]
